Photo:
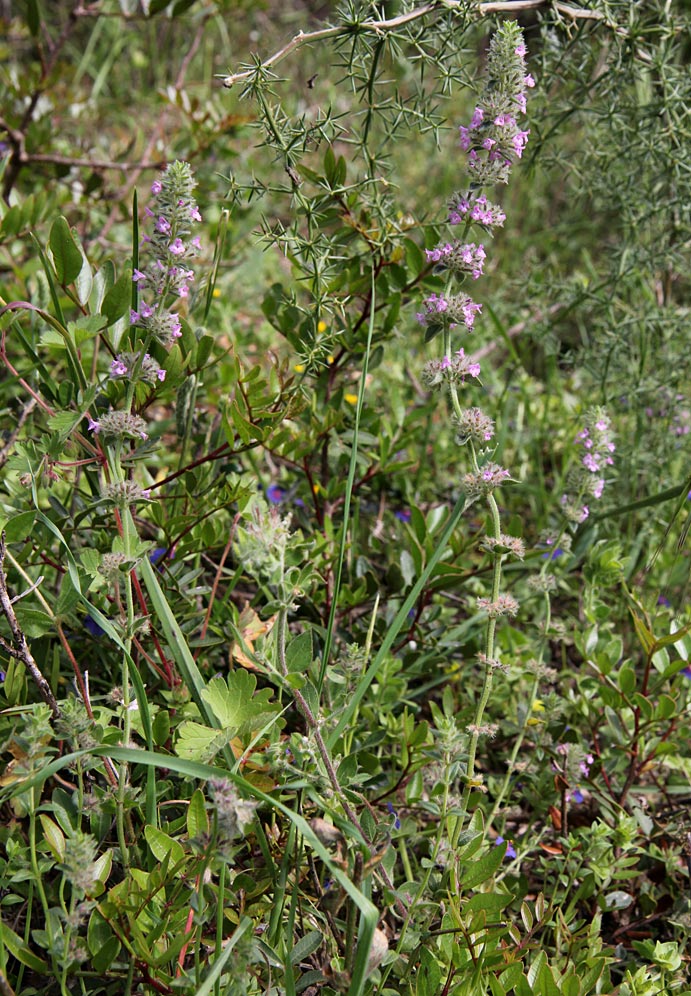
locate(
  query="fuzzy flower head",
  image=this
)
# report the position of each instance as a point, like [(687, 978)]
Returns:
[(587, 480), (167, 275), (473, 426), (144, 368), (483, 482), (446, 312), (450, 370), (477, 208), (121, 425), (458, 258), (494, 139)]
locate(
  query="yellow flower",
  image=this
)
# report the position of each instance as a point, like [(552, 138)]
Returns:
[(538, 706), (350, 398), (299, 368), (316, 488), (322, 326), (216, 293)]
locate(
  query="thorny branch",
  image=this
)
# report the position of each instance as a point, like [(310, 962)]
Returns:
[(19, 648), (437, 6)]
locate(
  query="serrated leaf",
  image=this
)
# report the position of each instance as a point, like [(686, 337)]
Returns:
[(67, 255), (235, 703), (197, 816), (200, 743)]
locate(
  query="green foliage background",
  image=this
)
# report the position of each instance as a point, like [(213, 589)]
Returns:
[(250, 769)]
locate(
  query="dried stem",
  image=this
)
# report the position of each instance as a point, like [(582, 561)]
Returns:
[(19, 648)]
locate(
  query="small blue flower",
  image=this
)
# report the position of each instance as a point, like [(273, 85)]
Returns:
[(577, 796), (553, 554), (91, 626), (2, 677), (403, 514), (160, 552), (664, 601), (392, 811), (510, 849), (686, 671), (275, 494)]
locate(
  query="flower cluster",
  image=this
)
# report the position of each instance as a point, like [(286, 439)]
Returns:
[(121, 425), (587, 480), (450, 370), (458, 257), (167, 276), (494, 139), (448, 311), (484, 481), (126, 364)]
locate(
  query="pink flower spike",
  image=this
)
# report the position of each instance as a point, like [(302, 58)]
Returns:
[(477, 118), (521, 50), (177, 247), (528, 81), (156, 187)]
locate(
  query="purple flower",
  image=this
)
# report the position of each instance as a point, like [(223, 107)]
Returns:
[(510, 849), (392, 811), (156, 187), (686, 671), (577, 796), (403, 514), (91, 626), (663, 601), (275, 494)]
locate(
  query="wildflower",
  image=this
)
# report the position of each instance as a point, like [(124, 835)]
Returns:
[(447, 312), (128, 365), (504, 544), (234, 813), (119, 424), (403, 514), (396, 820), (458, 258), (502, 605), (477, 208), (124, 493), (586, 480), (510, 849), (493, 663), (450, 370), (472, 425), (79, 862), (170, 243), (484, 481), (275, 494)]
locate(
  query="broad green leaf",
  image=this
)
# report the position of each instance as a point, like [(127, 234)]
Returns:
[(235, 703), (116, 302), (200, 743), (299, 652), (67, 255), (483, 869), (305, 946), (162, 845)]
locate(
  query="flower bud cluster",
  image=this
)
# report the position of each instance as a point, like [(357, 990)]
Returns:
[(494, 139), (121, 425), (125, 365), (483, 482), (587, 480), (446, 312), (458, 258), (473, 426), (450, 370), (166, 278)]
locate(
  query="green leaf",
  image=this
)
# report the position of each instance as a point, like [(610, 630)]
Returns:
[(162, 845), (483, 869), (236, 705), (116, 302), (67, 255), (305, 946), (197, 816), (299, 654), (491, 902), (18, 949), (200, 743), (54, 836)]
